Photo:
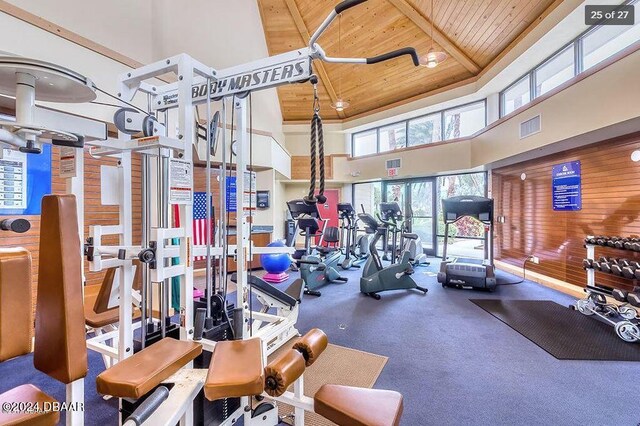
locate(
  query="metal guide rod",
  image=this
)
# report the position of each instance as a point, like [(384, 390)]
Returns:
[(242, 239), (145, 243), (222, 234), (208, 218), (163, 222)]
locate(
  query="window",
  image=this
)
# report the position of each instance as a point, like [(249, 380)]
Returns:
[(427, 129), (606, 41), (589, 49), (516, 95), (393, 137), (365, 143), (464, 121), (555, 71), (459, 122)]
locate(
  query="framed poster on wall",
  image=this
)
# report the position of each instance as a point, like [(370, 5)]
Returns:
[(567, 186)]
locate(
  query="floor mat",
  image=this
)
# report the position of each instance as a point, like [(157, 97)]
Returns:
[(337, 365), (562, 332)]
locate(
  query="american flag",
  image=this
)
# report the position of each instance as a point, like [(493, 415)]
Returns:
[(200, 220)]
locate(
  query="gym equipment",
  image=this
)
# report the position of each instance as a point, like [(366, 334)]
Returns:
[(396, 224), (356, 249), (622, 243), (475, 273), (624, 317), (391, 216), (375, 278), (275, 264), (343, 405), (319, 268), (18, 226), (171, 154)]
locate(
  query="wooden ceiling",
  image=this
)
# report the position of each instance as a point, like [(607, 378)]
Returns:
[(472, 33)]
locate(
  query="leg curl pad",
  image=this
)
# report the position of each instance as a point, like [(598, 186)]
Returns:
[(311, 345), (282, 372)]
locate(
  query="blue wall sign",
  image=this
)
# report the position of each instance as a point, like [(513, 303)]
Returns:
[(232, 204), (567, 187)]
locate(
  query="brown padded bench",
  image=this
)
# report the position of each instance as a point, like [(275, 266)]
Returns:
[(236, 370), (137, 375), (15, 299), (28, 394), (15, 339), (346, 405)]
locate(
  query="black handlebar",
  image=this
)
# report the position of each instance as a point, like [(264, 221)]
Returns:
[(395, 54), (347, 4)]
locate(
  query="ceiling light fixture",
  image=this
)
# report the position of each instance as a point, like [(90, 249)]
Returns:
[(433, 57), (340, 104)]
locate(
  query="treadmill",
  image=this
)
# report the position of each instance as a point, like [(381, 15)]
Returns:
[(464, 272)]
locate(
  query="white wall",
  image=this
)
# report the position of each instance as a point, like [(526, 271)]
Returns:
[(219, 33), (121, 25), (20, 38)]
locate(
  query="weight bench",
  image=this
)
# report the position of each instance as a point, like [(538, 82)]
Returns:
[(236, 370)]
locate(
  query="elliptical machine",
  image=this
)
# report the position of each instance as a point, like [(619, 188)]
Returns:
[(316, 269), (392, 216), (356, 249), (375, 278)]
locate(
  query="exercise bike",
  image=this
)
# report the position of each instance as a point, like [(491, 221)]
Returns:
[(392, 216), (319, 268), (356, 249), (376, 278)]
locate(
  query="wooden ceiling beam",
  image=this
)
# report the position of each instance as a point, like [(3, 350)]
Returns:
[(319, 66), (425, 25)]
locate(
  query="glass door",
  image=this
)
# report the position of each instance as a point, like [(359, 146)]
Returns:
[(420, 207), (416, 198)]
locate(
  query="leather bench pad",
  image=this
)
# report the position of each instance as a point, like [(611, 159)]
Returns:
[(143, 371), (60, 349), (15, 299), (28, 393), (346, 405), (235, 370)]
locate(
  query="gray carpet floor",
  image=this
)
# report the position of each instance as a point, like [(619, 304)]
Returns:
[(454, 363)]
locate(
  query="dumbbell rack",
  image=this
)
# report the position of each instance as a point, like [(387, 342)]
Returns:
[(624, 318)]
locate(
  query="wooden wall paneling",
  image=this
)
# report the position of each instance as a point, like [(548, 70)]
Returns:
[(301, 167), (610, 206)]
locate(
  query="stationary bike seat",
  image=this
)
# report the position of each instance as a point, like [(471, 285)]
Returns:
[(410, 235)]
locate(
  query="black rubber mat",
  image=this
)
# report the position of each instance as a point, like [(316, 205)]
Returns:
[(561, 331)]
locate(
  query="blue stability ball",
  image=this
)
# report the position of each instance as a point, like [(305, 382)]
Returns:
[(275, 263)]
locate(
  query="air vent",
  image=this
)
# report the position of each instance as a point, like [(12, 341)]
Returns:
[(530, 127), (394, 164)]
